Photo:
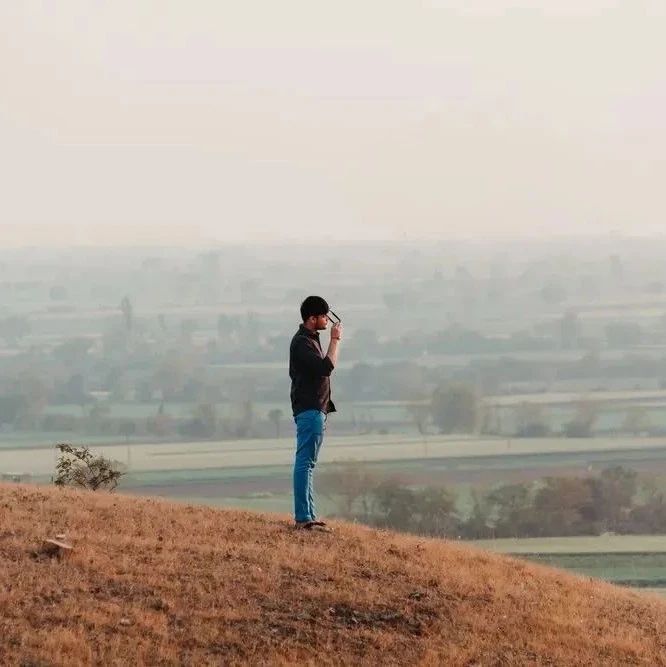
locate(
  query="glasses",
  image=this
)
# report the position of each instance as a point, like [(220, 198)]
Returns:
[(335, 319)]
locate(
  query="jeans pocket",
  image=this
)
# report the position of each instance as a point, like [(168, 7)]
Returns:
[(319, 424), (310, 423)]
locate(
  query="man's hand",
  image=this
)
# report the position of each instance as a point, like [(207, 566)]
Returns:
[(336, 335), (336, 331)]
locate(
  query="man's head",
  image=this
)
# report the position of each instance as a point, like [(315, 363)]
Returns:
[(313, 312)]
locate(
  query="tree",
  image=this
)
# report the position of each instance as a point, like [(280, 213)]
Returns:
[(455, 408), (434, 509), (583, 422), (419, 413), (98, 412), (613, 493), (427, 511), (31, 386), (127, 429), (650, 516), (508, 509), (203, 424), (477, 524), (128, 313), (246, 419), (564, 506), (171, 375), (570, 330), (12, 406), (12, 329), (161, 424), (274, 416), (74, 391), (396, 505), (188, 327), (351, 486), (530, 421), (491, 419), (636, 421), (228, 327), (77, 466)]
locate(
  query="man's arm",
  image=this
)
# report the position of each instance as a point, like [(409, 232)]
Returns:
[(336, 335), (306, 358)]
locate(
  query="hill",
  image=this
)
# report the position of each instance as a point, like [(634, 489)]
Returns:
[(152, 582)]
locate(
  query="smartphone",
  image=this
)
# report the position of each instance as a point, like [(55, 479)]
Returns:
[(335, 319)]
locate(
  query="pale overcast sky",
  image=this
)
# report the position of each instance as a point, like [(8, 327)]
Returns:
[(150, 120)]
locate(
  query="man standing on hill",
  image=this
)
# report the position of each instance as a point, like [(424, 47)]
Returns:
[(310, 370)]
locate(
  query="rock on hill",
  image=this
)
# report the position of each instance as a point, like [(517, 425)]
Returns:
[(150, 582)]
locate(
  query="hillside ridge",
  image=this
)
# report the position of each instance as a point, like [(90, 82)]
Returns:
[(153, 582)]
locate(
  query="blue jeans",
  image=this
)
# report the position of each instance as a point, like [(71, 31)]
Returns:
[(310, 427)]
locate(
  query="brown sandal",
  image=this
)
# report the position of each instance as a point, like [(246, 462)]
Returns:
[(312, 525)]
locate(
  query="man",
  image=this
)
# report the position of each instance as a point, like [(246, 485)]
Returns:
[(310, 370)]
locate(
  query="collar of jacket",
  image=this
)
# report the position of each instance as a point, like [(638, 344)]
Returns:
[(306, 332)]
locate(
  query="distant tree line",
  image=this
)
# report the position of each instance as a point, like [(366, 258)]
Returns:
[(398, 380), (616, 501), (454, 339)]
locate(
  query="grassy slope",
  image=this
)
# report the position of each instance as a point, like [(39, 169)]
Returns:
[(151, 582)]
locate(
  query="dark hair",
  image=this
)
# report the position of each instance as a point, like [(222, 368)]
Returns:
[(313, 305)]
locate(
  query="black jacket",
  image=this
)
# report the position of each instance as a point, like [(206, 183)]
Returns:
[(310, 372)]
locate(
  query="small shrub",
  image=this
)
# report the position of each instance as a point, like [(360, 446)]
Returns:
[(77, 466), (533, 430)]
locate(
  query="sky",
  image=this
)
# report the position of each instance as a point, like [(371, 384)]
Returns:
[(219, 121)]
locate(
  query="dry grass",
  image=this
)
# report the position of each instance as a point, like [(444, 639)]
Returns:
[(150, 582)]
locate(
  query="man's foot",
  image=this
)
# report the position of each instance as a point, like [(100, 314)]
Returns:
[(312, 525)]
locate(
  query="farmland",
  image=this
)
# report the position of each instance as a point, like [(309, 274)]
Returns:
[(449, 451), (173, 363), (257, 474), (631, 560)]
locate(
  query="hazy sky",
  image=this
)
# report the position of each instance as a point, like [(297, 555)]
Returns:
[(169, 120)]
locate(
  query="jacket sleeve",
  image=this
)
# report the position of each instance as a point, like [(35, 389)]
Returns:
[(306, 359)]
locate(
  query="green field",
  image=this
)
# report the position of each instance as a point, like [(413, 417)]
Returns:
[(638, 561), (581, 545), (571, 398), (242, 453), (447, 453)]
